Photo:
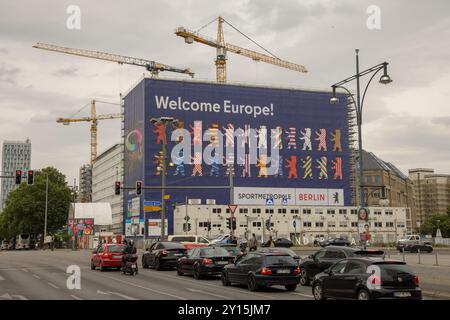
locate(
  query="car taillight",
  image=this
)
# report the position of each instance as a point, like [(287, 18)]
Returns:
[(297, 270), (207, 261), (416, 280), (265, 271), (164, 252)]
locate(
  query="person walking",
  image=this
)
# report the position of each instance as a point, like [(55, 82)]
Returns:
[(270, 243), (252, 243)]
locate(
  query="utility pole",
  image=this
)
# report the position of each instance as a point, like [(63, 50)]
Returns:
[(46, 208), (163, 190)]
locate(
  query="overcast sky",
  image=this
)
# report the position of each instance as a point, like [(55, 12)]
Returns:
[(406, 123)]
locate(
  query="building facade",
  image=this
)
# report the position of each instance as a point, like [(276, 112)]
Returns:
[(432, 192), (16, 155), (85, 188), (107, 169), (385, 185), (300, 224)]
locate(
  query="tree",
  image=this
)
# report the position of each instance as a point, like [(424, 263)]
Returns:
[(441, 221), (25, 206)]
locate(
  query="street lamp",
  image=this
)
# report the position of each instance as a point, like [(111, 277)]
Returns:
[(358, 104), (163, 168)]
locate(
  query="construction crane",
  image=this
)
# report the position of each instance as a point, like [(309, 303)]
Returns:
[(93, 119), (222, 47), (151, 66)]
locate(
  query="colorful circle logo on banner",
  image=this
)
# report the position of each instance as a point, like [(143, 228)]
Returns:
[(133, 143), (363, 214)]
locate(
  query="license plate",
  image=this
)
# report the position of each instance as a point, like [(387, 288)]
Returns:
[(284, 271), (222, 262), (402, 294), (117, 257), (178, 254)]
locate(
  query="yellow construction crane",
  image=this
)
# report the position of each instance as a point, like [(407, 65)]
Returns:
[(94, 121), (152, 66), (222, 47)]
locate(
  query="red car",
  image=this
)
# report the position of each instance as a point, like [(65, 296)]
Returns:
[(108, 256)]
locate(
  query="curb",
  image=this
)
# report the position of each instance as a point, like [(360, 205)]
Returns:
[(436, 294)]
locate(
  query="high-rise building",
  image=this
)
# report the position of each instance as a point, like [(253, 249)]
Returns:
[(85, 192), (107, 169), (432, 193), (16, 156)]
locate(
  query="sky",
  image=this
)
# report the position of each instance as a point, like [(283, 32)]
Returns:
[(406, 122)]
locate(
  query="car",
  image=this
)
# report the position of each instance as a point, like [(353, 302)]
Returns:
[(366, 278), (219, 239), (262, 269), (281, 243), (234, 251), (163, 254), (327, 256), (204, 261), (4, 245), (190, 241), (334, 242), (107, 256), (282, 250), (414, 246)]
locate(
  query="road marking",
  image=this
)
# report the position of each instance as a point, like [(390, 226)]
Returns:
[(208, 293), (145, 288), (75, 297), (123, 296), (24, 270), (302, 294), (36, 276), (12, 296), (52, 285)]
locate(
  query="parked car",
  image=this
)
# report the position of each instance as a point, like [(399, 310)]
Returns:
[(280, 242), (296, 257), (414, 246), (262, 269), (414, 237), (325, 257), (4, 245), (163, 255), (334, 242), (353, 278), (190, 241), (204, 261), (107, 256)]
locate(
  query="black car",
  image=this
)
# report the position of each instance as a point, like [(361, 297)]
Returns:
[(203, 261), (325, 257), (280, 243), (367, 278), (163, 255), (334, 242), (282, 250), (262, 269), (414, 246)]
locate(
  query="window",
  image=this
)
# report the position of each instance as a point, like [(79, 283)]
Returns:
[(388, 212), (331, 211), (339, 267), (217, 210), (354, 224), (343, 224), (377, 224), (295, 211), (389, 224), (269, 210), (319, 211), (281, 210), (377, 212), (334, 254), (256, 224), (331, 224), (342, 211), (306, 211), (354, 267), (306, 224), (227, 211), (256, 210), (319, 224), (353, 211), (243, 210)]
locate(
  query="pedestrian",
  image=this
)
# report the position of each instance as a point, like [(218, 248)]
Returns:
[(252, 243), (270, 243)]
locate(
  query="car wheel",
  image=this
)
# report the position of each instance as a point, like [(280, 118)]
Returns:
[(363, 295), (144, 264), (157, 264), (179, 272), (225, 281), (430, 250), (197, 275), (251, 283), (304, 278), (291, 287), (413, 250), (318, 292), (92, 266)]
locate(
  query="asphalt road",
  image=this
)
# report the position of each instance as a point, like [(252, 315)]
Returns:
[(30, 275)]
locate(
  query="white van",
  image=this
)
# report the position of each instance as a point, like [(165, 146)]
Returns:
[(190, 241)]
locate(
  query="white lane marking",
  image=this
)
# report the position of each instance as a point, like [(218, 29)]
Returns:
[(24, 270), (12, 296), (6, 296), (123, 296), (208, 293), (145, 288), (36, 276), (302, 294), (101, 292), (75, 297), (19, 297), (52, 285), (1, 278)]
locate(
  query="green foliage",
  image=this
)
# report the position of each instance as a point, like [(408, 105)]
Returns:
[(438, 220), (24, 210)]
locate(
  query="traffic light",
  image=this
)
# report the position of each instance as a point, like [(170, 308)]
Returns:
[(117, 188), (30, 177), (268, 224), (229, 223), (138, 187), (18, 176), (189, 227), (233, 223)]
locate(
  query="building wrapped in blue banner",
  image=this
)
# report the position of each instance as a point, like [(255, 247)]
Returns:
[(281, 146)]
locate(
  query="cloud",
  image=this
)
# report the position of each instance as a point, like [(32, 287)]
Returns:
[(69, 71), (8, 74), (445, 121)]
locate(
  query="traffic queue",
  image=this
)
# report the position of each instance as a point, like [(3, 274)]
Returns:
[(336, 271)]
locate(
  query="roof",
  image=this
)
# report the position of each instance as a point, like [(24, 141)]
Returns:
[(99, 211), (372, 163)]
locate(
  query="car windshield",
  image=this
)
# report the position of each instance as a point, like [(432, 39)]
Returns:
[(184, 239), (389, 270), (279, 260), (214, 252), (116, 249), (172, 245)]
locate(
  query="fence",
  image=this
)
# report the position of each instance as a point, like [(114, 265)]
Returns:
[(443, 241)]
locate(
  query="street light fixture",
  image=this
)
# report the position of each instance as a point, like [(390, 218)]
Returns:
[(358, 104)]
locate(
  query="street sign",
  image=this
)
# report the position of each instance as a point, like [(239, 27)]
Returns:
[(269, 202), (232, 208), (167, 197), (152, 208), (152, 203)]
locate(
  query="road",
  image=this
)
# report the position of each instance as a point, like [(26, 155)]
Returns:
[(30, 275)]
